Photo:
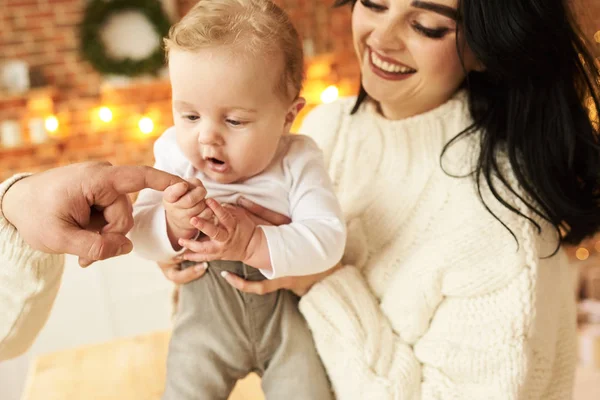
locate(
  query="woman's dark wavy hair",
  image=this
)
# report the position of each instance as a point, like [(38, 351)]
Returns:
[(528, 106)]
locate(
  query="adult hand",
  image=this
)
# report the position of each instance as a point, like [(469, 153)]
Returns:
[(261, 215), (300, 285), (81, 209)]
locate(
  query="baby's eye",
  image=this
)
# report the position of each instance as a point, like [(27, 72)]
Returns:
[(234, 122)]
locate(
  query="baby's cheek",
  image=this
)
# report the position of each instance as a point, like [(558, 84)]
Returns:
[(194, 157), (197, 162), (189, 148)]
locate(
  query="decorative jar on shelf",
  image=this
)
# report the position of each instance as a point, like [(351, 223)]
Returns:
[(10, 134)]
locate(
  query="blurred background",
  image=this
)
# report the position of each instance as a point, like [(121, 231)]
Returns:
[(66, 96)]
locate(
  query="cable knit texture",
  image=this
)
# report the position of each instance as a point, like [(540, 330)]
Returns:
[(29, 282), (436, 299)]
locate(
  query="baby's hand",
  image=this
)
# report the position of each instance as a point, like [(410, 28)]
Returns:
[(234, 238), (183, 201)]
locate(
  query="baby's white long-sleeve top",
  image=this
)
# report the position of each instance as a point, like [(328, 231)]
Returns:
[(295, 183)]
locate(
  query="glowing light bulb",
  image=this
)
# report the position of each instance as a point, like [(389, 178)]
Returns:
[(330, 94), (51, 124), (146, 125), (105, 114), (582, 254)]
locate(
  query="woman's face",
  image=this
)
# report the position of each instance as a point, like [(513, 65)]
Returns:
[(408, 54)]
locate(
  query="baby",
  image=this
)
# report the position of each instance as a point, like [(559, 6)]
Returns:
[(236, 69)]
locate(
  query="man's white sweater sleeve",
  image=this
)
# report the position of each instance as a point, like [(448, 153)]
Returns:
[(29, 282), (149, 233), (315, 239)]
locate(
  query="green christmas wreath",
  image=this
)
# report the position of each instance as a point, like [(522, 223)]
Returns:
[(97, 13)]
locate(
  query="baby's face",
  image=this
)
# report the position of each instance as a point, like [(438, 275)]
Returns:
[(228, 115)]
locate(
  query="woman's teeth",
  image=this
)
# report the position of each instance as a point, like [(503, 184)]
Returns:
[(388, 67)]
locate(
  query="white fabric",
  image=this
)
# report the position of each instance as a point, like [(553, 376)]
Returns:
[(29, 282), (295, 184), (436, 300)]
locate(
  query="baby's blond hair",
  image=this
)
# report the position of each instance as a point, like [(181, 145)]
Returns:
[(259, 26)]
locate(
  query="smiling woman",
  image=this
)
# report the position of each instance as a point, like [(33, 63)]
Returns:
[(439, 44), (422, 47)]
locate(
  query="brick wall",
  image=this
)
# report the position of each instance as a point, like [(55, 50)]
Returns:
[(44, 33)]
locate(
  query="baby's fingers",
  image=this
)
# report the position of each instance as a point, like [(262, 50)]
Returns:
[(174, 192)]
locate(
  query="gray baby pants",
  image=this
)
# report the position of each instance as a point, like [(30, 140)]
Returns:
[(222, 334)]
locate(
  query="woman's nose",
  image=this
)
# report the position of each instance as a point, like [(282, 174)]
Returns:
[(387, 36)]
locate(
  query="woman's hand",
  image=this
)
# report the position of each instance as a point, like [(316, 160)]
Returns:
[(181, 276), (261, 215), (300, 285), (297, 284)]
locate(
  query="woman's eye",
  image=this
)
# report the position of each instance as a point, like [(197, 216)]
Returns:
[(373, 6), (430, 33)]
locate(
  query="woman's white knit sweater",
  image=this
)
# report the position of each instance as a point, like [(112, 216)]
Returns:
[(436, 299)]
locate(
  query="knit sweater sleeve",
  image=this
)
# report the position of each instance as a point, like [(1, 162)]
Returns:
[(363, 356), (29, 282), (473, 320)]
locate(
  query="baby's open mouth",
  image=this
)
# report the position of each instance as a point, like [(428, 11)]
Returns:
[(215, 161), (216, 165)]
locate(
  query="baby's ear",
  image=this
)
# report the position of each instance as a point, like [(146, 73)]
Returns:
[(293, 111)]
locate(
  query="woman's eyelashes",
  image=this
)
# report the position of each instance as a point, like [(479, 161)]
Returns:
[(436, 33), (373, 6), (432, 33)]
